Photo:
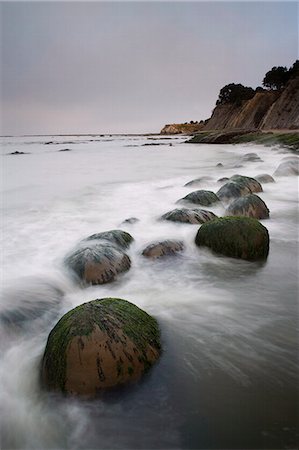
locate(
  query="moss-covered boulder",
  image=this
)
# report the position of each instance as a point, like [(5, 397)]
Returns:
[(163, 248), (99, 345), (185, 215), (198, 181), (236, 237), (97, 262), (264, 178), (119, 238), (251, 183), (287, 167), (249, 206), (201, 197)]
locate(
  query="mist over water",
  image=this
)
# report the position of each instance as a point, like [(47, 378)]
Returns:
[(228, 376)]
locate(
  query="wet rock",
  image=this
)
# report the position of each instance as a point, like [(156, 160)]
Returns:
[(251, 157), (222, 180), (197, 181), (18, 153), (130, 220), (264, 178), (231, 190), (219, 165), (252, 184), (288, 167), (163, 248), (185, 215), (249, 206), (119, 238), (235, 237), (32, 299), (48, 143), (100, 345), (201, 197), (97, 262), (65, 150)]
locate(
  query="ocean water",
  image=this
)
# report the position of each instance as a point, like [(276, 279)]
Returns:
[(228, 375)]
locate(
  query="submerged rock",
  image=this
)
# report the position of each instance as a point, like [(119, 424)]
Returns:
[(201, 197), (163, 248), (197, 181), (222, 180), (236, 237), (99, 345), (18, 153), (97, 262), (119, 238), (288, 167), (251, 157), (65, 150), (185, 215), (250, 206), (130, 220), (264, 178)]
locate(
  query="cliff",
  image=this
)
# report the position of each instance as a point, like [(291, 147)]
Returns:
[(182, 128)]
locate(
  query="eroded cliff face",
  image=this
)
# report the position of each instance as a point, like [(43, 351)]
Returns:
[(267, 110), (284, 113), (182, 128)]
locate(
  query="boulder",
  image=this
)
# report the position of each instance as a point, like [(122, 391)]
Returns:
[(197, 181), (163, 248), (288, 167), (222, 180), (235, 237), (238, 186), (264, 178), (99, 345), (250, 206), (186, 215), (130, 221), (252, 184), (97, 262), (119, 238), (251, 157), (201, 197)]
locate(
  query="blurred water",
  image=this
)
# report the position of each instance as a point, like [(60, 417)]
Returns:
[(228, 377)]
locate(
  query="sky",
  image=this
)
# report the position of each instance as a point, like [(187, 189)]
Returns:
[(131, 67)]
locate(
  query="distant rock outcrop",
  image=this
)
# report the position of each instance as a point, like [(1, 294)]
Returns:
[(182, 128)]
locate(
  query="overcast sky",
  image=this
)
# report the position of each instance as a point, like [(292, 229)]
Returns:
[(132, 67)]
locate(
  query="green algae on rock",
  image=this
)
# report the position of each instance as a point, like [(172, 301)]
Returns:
[(249, 206), (201, 197), (99, 345), (235, 237), (119, 238)]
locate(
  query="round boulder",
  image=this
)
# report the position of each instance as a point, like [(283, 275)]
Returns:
[(163, 248), (201, 197), (264, 178), (119, 238), (236, 237), (185, 215), (197, 181), (97, 262), (251, 157), (100, 345), (249, 206), (251, 183), (288, 167), (231, 190)]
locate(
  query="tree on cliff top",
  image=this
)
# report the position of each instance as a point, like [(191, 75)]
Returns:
[(276, 78), (234, 93)]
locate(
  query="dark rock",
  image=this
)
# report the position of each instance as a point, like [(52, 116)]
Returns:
[(252, 184), (130, 221), (231, 190), (65, 150), (201, 197), (249, 206), (18, 153), (48, 143), (251, 157), (289, 167), (163, 248), (264, 178), (118, 238), (235, 237), (100, 345), (219, 165), (199, 180), (184, 215), (97, 262), (222, 180)]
